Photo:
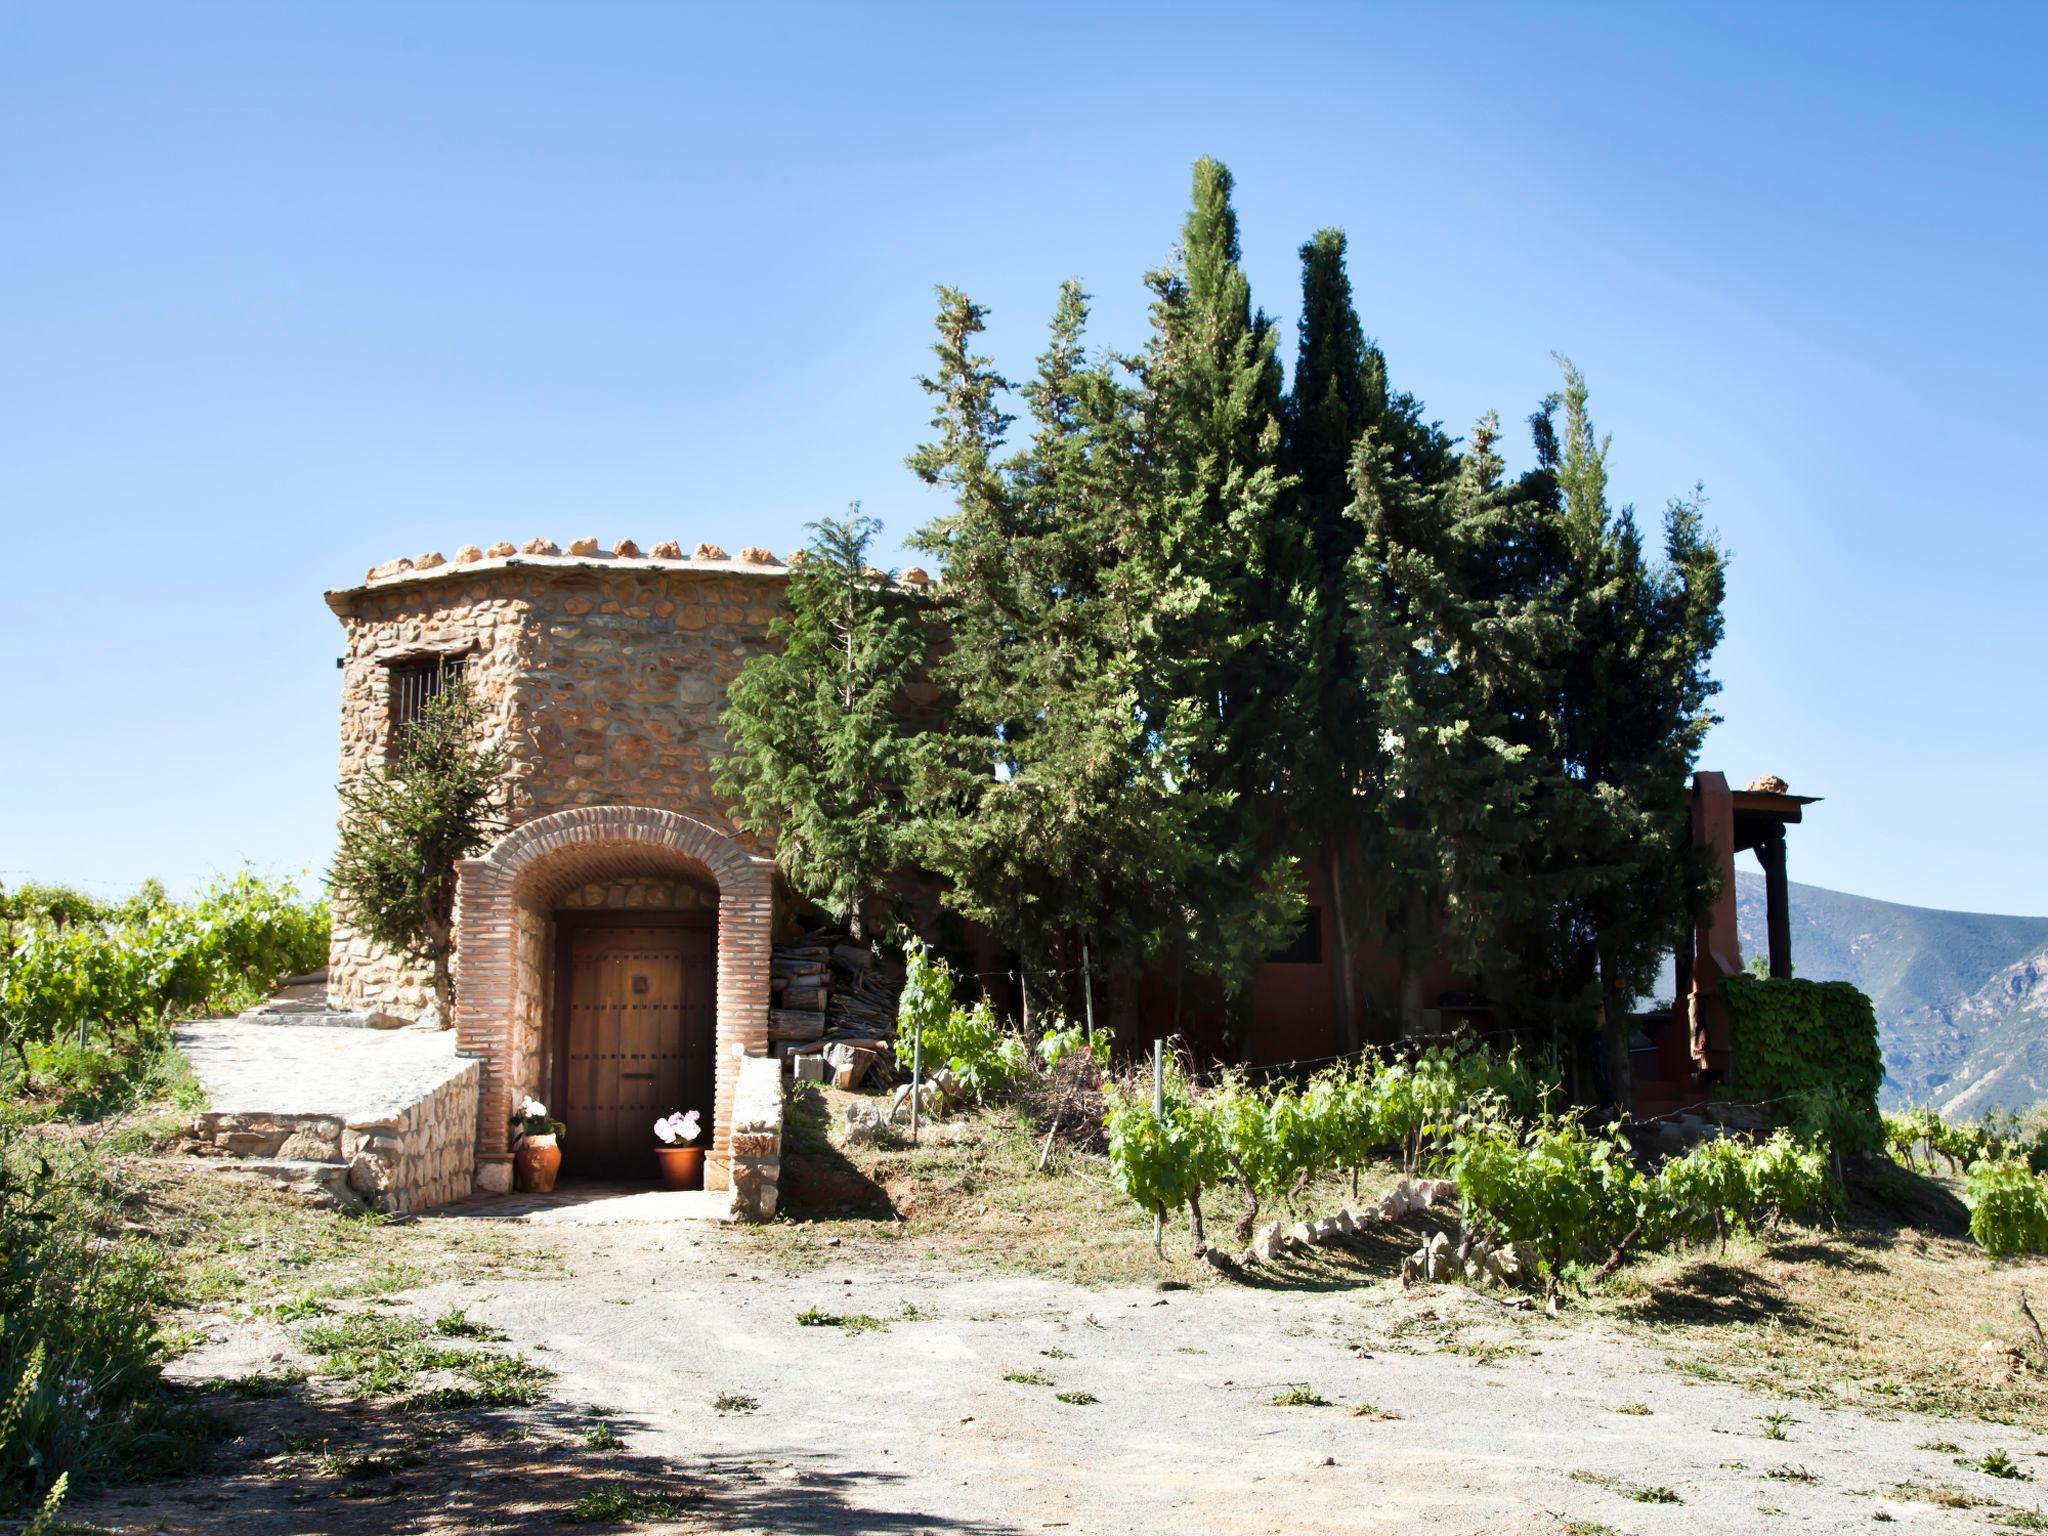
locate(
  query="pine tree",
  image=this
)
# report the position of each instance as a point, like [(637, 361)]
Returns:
[(825, 756), (406, 825)]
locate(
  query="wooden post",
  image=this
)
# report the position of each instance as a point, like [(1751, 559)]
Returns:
[(1777, 901), (1088, 993), (1158, 1113), (916, 1073)]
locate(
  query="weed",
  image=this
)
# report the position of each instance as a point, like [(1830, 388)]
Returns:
[(1791, 1474), (620, 1505), (456, 1323), (1078, 1399), (1635, 1410), (1056, 1354), (258, 1385), (601, 1437), (1999, 1464), (849, 1322), (1774, 1425), (1946, 1447), (1367, 1411), (1028, 1378), (301, 1307), (1300, 1395), (2023, 1520), (1940, 1495), (1642, 1493)]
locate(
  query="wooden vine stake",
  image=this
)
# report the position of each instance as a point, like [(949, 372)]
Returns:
[(1158, 1118)]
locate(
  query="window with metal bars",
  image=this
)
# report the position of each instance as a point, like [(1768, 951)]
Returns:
[(413, 683)]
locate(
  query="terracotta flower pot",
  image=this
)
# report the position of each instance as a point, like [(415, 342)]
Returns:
[(681, 1167), (535, 1162)]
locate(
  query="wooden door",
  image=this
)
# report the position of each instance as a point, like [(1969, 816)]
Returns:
[(635, 997)]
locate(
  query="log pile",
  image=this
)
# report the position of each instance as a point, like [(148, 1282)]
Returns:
[(833, 996)]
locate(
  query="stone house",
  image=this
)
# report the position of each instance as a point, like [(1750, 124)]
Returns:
[(612, 948)]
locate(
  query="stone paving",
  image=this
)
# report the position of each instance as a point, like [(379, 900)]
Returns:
[(303, 1069)]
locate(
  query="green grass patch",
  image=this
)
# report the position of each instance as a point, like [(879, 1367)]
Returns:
[(621, 1505), (1299, 1395), (1028, 1378)]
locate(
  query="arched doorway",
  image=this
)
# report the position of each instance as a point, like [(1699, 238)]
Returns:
[(515, 1010)]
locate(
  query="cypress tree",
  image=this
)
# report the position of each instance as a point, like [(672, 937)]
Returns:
[(1340, 391), (1053, 810), (825, 758), (1231, 579)]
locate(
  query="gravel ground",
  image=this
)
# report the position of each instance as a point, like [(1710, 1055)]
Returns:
[(1474, 1417)]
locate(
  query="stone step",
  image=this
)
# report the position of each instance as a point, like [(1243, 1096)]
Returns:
[(318, 1184), (318, 1014)]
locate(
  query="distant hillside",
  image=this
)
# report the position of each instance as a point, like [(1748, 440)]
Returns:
[(1961, 1002)]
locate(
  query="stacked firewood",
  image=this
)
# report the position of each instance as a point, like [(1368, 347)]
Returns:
[(833, 996)]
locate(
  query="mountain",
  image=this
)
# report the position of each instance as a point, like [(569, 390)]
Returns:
[(1961, 997)]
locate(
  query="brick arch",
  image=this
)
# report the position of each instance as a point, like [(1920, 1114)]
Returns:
[(501, 906)]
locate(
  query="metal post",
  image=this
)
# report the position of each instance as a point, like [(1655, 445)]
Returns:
[(1158, 1114), (916, 1073), (1088, 993)]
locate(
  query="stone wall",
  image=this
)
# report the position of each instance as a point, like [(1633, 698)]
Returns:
[(755, 1169), (409, 1157), (603, 678)]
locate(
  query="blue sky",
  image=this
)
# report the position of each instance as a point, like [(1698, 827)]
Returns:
[(289, 290)]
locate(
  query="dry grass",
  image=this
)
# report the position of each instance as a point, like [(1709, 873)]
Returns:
[(971, 1192), (1890, 1312)]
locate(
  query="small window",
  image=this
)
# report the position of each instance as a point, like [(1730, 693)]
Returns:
[(413, 683), (1307, 948)]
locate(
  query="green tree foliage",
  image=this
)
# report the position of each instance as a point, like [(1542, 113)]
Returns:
[(407, 824), (825, 753), (1233, 576), (1339, 391), (1632, 711), (1057, 805)]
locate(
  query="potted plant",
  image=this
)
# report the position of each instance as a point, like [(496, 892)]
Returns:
[(682, 1165), (536, 1148)]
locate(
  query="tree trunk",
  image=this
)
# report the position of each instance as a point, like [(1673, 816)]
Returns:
[(1195, 1223), (1614, 1027), (856, 922), (440, 928), (1342, 973)]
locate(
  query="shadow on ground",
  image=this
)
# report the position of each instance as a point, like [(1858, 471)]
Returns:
[(305, 1464), (818, 1180)]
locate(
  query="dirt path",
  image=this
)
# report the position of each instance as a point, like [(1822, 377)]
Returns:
[(1482, 1419)]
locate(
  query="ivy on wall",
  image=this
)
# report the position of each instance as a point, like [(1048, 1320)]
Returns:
[(1813, 1046)]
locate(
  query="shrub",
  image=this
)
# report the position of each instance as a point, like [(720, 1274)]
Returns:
[(1795, 1040), (2008, 1209), (1564, 1190), (79, 1345), (1164, 1158)]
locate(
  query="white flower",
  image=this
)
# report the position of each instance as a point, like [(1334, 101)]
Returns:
[(680, 1127), (533, 1109)]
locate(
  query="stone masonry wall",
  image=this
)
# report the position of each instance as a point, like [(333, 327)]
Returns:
[(410, 1157), (756, 1147), (604, 681)]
